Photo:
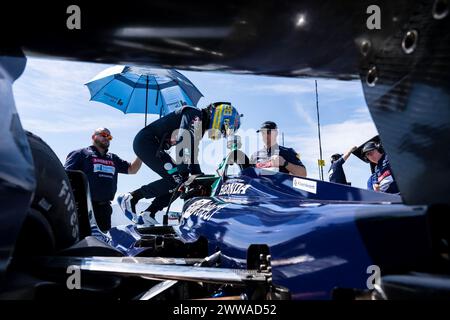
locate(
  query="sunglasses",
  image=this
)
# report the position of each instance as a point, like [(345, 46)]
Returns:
[(105, 135)]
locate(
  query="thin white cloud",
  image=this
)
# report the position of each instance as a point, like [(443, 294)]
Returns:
[(338, 89), (282, 88), (304, 115), (335, 87), (51, 98), (362, 113), (67, 124)]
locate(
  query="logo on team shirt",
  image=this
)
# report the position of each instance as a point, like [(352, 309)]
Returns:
[(103, 166), (103, 161), (104, 169), (385, 174)]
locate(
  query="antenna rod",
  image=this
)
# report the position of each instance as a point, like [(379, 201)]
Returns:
[(320, 140)]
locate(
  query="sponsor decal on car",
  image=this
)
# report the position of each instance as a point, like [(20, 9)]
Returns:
[(305, 185), (203, 208), (233, 188)]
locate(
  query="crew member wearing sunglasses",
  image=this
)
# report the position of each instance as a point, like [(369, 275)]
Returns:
[(101, 168)]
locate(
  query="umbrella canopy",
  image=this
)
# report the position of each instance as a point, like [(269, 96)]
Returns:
[(143, 90)]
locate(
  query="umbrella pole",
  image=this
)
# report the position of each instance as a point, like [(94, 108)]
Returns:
[(146, 101), (156, 102)]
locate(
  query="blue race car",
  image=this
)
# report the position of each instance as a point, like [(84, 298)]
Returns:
[(259, 234)]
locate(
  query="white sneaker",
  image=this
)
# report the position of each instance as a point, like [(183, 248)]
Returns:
[(147, 219), (124, 201)]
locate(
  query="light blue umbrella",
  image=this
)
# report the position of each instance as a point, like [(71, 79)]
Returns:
[(143, 90)]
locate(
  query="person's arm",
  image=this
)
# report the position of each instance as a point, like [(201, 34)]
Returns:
[(135, 166), (293, 165), (349, 152), (253, 158), (73, 161), (188, 139), (372, 183), (122, 166), (385, 180), (296, 170)]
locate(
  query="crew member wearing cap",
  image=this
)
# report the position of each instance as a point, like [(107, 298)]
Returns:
[(336, 173), (382, 179), (272, 155), (101, 168)]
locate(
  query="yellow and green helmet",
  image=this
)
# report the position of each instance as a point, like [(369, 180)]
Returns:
[(225, 120)]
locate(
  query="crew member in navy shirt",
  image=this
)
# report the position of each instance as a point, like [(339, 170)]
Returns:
[(382, 179), (336, 173), (101, 168), (272, 156)]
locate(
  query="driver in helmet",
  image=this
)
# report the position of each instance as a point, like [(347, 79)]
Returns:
[(182, 129)]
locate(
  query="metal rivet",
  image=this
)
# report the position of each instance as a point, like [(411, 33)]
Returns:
[(409, 42), (372, 77), (440, 9), (365, 47)]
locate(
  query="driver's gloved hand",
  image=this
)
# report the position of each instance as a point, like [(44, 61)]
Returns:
[(179, 179), (192, 178), (181, 174)]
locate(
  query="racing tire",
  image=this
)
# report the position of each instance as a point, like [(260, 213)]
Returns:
[(53, 201)]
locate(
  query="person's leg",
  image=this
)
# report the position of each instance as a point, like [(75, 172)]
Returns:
[(158, 188), (102, 213), (148, 149), (159, 203)]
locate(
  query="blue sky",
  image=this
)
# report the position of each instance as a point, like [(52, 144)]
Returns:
[(54, 103)]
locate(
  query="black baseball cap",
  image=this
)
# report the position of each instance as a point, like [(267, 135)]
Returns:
[(336, 156), (369, 146), (268, 125)]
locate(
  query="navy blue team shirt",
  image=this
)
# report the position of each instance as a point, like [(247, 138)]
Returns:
[(101, 171), (383, 176), (288, 154), (336, 172)]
